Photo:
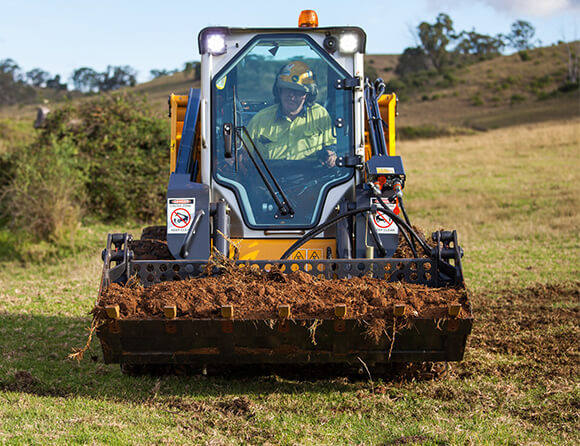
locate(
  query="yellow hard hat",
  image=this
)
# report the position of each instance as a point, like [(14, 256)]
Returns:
[(296, 76)]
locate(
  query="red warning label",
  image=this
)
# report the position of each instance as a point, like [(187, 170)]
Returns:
[(180, 217), (384, 223), (179, 214)]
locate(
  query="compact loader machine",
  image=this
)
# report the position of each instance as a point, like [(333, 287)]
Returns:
[(229, 196)]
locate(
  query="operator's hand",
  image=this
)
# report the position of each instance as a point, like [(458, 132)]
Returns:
[(329, 160)]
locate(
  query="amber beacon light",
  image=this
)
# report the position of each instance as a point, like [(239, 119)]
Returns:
[(308, 19)]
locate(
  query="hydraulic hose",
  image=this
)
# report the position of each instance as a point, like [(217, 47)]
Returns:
[(314, 232), (376, 237), (402, 206)]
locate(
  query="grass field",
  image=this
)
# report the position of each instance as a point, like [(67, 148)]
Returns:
[(513, 195)]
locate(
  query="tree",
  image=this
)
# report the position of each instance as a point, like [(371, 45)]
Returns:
[(10, 67), (371, 71), (55, 84), (155, 73), (573, 75), (480, 45), (435, 38), (85, 79), (521, 36), (116, 77), (37, 77), (412, 60), (13, 89), (193, 69)]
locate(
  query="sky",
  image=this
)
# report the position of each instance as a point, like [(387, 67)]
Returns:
[(62, 35)]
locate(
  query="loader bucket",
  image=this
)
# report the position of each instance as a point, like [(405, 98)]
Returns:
[(333, 336), (212, 342)]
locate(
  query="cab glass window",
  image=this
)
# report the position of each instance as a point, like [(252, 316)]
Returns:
[(280, 124)]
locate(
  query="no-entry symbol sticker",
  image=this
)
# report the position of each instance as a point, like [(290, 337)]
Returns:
[(384, 223), (179, 214)]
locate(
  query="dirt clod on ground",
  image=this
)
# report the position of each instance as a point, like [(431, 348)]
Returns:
[(256, 294)]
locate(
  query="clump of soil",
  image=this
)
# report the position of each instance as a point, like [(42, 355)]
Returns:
[(150, 250), (257, 295), (404, 251), (153, 244)]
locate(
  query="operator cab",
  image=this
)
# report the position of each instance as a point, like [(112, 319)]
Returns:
[(265, 187)]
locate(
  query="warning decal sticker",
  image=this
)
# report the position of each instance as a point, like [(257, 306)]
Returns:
[(314, 254), (299, 254), (307, 254), (383, 222), (180, 212)]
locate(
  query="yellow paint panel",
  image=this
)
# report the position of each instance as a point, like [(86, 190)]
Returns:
[(178, 106), (272, 249), (388, 108)]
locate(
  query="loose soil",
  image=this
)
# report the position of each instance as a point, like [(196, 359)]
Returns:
[(257, 295), (537, 327)]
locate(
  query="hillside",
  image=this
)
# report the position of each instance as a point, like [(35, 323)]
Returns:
[(503, 91), (500, 92)]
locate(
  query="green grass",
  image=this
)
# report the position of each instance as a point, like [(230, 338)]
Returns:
[(512, 196)]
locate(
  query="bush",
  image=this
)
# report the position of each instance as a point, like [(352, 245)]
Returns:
[(516, 98), (411, 61), (399, 87), (524, 55), (540, 82), (568, 86), (542, 95), (371, 72), (46, 196), (431, 131), (105, 158), (476, 99), (123, 153), (449, 79)]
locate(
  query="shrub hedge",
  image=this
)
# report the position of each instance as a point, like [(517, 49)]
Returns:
[(105, 158)]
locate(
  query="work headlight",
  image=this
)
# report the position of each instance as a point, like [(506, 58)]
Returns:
[(213, 41), (216, 44), (348, 43)]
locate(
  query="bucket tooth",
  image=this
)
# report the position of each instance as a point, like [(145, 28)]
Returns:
[(340, 311), (170, 311), (454, 309), (284, 311), (399, 310), (113, 311), (228, 311)]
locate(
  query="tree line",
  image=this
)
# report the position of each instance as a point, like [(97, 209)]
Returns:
[(17, 85), (441, 46)]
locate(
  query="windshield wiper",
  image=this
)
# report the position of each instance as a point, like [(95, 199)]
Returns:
[(284, 206)]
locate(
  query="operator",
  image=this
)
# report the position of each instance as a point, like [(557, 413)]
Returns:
[(295, 127)]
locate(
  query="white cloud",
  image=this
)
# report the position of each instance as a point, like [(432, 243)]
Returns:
[(539, 8), (534, 7)]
